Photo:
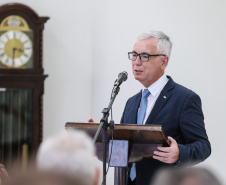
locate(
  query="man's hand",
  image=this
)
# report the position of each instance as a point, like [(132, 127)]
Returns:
[(90, 120), (169, 154)]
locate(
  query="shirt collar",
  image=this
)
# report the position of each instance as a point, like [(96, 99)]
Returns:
[(157, 86)]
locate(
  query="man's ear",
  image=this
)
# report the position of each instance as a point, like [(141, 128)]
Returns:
[(165, 62)]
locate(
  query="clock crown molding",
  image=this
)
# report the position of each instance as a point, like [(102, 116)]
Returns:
[(11, 8)]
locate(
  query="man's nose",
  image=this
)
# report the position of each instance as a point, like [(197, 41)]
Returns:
[(138, 61)]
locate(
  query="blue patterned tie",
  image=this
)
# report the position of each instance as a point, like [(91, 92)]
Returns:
[(140, 119)]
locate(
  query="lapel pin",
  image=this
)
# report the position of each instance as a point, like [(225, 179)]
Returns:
[(164, 97)]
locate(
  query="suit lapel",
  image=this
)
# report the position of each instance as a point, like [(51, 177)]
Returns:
[(136, 107), (161, 101)]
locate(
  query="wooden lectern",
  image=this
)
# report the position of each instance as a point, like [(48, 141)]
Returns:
[(131, 144)]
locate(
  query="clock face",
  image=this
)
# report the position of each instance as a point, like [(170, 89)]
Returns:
[(15, 49)]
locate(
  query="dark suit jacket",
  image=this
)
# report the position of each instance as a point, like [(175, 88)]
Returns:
[(181, 117)]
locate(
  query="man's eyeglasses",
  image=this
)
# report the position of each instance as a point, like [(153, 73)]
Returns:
[(143, 56)]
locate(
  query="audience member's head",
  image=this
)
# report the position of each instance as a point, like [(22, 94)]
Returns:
[(185, 176), (71, 154), (3, 174)]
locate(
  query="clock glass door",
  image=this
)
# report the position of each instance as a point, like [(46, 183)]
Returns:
[(16, 117)]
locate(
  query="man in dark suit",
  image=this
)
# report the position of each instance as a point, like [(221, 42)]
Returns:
[(169, 104)]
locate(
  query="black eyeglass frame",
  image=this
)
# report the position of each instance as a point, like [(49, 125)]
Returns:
[(144, 54)]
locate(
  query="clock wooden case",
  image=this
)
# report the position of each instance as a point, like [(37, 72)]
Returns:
[(21, 83)]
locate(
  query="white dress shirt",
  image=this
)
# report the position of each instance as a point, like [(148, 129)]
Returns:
[(155, 90)]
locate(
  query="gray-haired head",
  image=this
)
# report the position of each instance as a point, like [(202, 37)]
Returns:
[(71, 153), (164, 43), (186, 176)]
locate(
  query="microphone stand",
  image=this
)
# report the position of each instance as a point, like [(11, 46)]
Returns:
[(104, 125)]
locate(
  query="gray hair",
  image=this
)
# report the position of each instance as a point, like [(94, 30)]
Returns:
[(69, 153), (164, 45), (183, 175)]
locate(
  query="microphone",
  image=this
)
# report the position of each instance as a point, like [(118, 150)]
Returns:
[(121, 78)]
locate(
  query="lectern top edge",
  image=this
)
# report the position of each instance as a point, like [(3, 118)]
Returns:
[(117, 126)]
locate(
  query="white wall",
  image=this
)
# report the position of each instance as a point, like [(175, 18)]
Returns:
[(86, 45)]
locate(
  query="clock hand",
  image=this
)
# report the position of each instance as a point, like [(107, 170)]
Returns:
[(14, 50), (20, 50)]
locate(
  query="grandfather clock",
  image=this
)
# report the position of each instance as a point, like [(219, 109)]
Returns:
[(21, 83)]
